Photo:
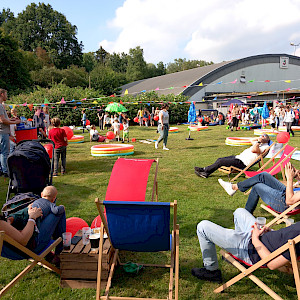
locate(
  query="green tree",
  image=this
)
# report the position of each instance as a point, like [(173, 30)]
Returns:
[(180, 64), (105, 80), (7, 19), (118, 62), (41, 26), (137, 67), (14, 75), (89, 61), (101, 55)]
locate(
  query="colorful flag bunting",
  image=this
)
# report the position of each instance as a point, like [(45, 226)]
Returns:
[(288, 81), (200, 84), (157, 89), (234, 81)]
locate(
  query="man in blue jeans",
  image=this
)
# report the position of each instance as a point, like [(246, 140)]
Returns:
[(268, 188), (4, 133), (246, 241)]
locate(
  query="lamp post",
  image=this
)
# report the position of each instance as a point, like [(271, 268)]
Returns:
[(294, 45)]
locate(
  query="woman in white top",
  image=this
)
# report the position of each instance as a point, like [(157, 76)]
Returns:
[(289, 119), (163, 126)]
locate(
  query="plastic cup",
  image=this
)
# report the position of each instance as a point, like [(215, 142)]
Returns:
[(94, 239), (67, 236), (261, 222), (290, 221), (86, 231)]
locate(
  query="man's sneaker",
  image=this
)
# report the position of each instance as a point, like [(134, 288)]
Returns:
[(227, 186), (199, 169), (204, 274), (165, 148), (156, 145), (201, 174)]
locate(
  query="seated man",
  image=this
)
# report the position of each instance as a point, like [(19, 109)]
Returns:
[(268, 188), (259, 145), (246, 241)]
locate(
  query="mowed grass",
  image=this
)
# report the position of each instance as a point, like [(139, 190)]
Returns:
[(87, 177)]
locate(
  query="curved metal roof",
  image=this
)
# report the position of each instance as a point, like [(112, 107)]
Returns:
[(186, 82)]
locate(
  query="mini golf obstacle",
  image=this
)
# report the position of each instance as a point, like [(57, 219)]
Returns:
[(197, 128), (250, 126), (76, 139), (112, 150), (238, 141), (269, 132), (294, 128), (173, 129)]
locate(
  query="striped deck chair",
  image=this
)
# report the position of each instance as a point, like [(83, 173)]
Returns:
[(139, 227), (11, 249), (287, 152), (128, 180)]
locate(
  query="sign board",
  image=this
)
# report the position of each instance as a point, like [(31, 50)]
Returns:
[(284, 62)]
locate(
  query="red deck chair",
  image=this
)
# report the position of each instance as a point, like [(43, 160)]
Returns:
[(128, 180), (278, 166)]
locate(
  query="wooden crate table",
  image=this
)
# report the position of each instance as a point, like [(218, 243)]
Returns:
[(79, 265)]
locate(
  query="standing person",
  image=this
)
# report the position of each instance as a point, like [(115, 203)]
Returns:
[(106, 121), (116, 127), (47, 118), (146, 116), (125, 130), (235, 117), (272, 119), (59, 137), (100, 116), (5, 123), (276, 112), (281, 116), (152, 117), (83, 119), (289, 119), (140, 116), (163, 126), (256, 114), (38, 121)]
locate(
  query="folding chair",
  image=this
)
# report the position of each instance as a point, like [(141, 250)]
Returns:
[(287, 152), (139, 227), (290, 246), (20, 252), (230, 170), (128, 180), (283, 217)]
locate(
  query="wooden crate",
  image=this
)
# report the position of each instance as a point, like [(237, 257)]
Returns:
[(79, 265)]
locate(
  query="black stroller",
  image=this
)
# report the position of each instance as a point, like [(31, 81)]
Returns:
[(29, 168)]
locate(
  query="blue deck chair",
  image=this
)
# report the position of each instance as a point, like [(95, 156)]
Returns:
[(139, 227), (11, 249)]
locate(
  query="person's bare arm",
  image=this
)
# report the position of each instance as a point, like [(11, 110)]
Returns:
[(290, 196), (8, 121), (24, 235), (263, 251)]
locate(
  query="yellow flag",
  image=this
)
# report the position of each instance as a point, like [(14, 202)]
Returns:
[(126, 92), (203, 100), (95, 102), (200, 84), (288, 81), (14, 105)]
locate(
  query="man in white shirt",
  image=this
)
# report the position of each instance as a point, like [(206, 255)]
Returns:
[(259, 145)]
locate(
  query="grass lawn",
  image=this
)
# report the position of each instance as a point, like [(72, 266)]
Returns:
[(87, 177)]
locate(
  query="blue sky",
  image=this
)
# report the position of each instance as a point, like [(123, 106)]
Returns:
[(214, 30)]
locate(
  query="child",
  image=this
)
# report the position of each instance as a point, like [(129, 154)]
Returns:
[(94, 134), (116, 127), (47, 202), (47, 118), (83, 119), (106, 121), (125, 130), (59, 137)]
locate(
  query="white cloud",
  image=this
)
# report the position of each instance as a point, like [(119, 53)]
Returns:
[(214, 30)]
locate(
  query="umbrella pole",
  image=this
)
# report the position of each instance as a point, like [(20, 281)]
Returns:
[(189, 138)]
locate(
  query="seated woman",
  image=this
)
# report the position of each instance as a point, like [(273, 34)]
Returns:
[(268, 188), (52, 226), (246, 241)]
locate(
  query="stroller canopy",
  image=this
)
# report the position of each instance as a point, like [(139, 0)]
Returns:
[(29, 167)]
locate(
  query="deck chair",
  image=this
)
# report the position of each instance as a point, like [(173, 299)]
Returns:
[(290, 246), (139, 227), (284, 216), (287, 152), (14, 250), (128, 180), (230, 170)]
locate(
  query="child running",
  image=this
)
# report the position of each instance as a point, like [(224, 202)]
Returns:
[(59, 137), (125, 130)]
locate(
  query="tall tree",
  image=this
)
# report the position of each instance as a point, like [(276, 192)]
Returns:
[(137, 67), (42, 26), (101, 55), (89, 61), (14, 75), (118, 62)]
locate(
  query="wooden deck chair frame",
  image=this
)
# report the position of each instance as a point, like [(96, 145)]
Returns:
[(33, 257), (259, 159), (155, 186), (290, 245), (173, 266)]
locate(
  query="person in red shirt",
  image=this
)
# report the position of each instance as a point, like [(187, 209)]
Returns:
[(59, 137)]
